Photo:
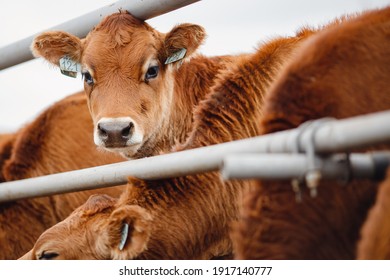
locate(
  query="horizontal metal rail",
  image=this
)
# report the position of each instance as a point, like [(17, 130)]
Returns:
[(328, 137), (295, 166), (19, 52)]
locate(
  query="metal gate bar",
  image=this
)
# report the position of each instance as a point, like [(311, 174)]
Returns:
[(19, 52), (329, 137)]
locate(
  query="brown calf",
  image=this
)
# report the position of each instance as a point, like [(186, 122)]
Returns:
[(59, 140), (341, 72), (140, 102), (196, 76), (181, 218)]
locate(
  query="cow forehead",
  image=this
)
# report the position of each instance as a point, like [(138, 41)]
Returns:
[(73, 225), (103, 52), (50, 238), (100, 48), (118, 36)]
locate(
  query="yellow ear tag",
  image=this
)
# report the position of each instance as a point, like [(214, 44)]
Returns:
[(176, 56), (69, 67)]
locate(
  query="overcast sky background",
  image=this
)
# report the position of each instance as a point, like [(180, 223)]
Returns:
[(233, 26)]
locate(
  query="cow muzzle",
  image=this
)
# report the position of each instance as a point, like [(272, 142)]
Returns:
[(117, 133)]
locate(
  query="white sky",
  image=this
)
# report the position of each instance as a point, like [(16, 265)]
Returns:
[(233, 26)]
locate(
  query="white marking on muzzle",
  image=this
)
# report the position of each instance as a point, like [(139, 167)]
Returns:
[(135, 139)]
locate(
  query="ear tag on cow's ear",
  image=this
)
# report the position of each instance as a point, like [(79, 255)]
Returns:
[(176, 56), (69, 67), (124, 234)]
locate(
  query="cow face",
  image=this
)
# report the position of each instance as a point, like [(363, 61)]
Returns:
[(128, 70), (96, 230)]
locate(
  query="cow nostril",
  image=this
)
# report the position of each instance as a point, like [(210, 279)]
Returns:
[(102, 132), (126, 131)]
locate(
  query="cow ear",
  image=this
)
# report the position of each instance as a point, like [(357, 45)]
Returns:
[(54, 45), (129, 230), (181, 42)]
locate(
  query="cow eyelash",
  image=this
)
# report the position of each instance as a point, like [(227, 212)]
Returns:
[(47, 255), (87, 77)]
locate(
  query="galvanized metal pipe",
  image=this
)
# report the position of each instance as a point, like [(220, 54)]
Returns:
[(334, 136), (19, 52), (290, 166)]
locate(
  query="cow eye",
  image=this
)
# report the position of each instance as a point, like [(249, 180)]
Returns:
[(88, 78), (48, 255), (151, 73)]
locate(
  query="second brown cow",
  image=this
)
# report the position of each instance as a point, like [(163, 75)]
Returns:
[(340, 72)]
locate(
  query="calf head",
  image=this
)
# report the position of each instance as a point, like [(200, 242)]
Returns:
[(128, 70), (96, 230)]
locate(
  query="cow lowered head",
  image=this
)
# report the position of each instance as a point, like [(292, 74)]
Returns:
[(99, 229), (128, 69)]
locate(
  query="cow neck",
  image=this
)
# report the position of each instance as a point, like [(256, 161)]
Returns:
[(232, 111), (193, 81)]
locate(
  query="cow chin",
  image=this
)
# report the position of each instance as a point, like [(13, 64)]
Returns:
[(127, 152)]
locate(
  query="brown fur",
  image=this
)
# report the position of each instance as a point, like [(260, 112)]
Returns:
[(341, 72), (55, 141), (117, 54), (375, 234), (58, 140), (187, 217), (6, 144)]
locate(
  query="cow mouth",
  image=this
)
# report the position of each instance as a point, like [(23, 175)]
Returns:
[(126, 151), (120, 145), (117, 146)]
